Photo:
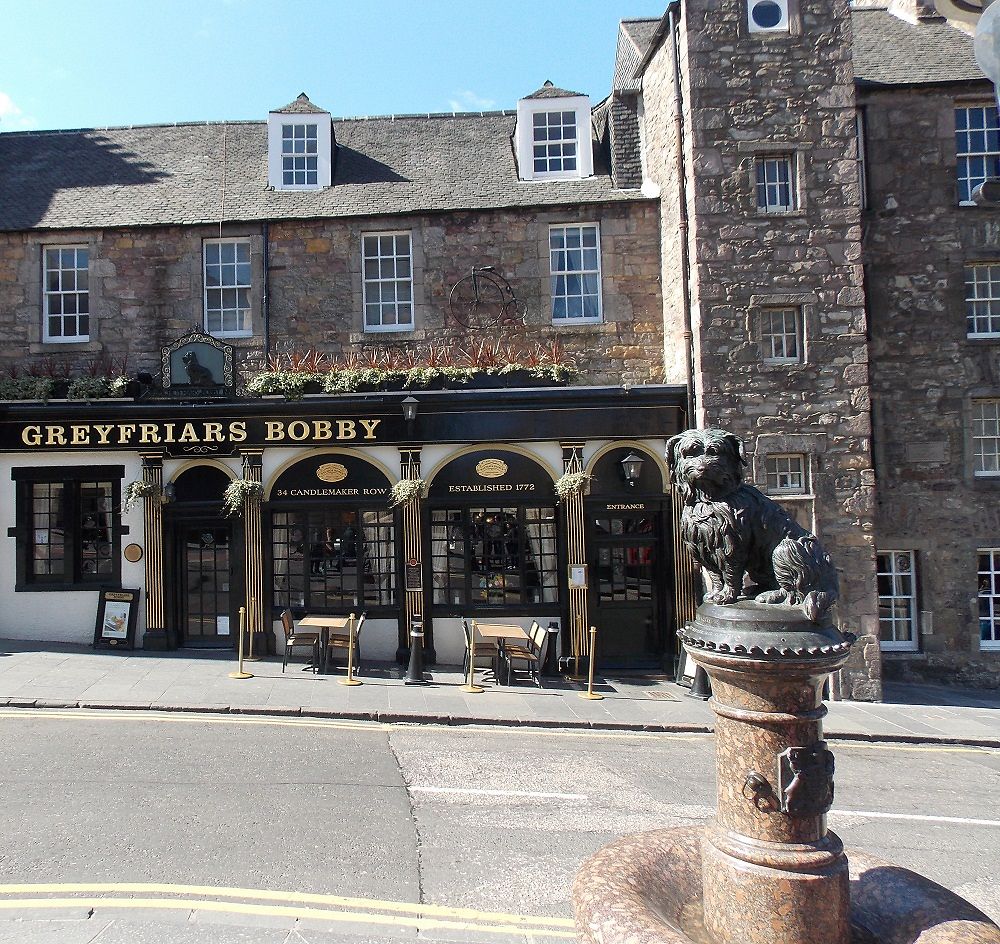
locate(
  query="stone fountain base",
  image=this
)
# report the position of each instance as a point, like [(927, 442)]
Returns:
[(647, 888)]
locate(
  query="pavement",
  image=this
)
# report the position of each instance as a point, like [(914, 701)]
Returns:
[(55, 675)]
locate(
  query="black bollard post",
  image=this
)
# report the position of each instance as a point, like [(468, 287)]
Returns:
[(701, 686), (415, 670)]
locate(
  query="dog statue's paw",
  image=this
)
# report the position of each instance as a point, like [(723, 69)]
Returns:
[(772, 596), (723, 595)]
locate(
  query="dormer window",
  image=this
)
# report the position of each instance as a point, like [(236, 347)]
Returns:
[(300, 146), (553, 135), (299, 156), (555, 144)]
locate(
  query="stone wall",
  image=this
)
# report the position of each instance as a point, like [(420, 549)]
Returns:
[(925, 370), (748, 96), (146, 286)]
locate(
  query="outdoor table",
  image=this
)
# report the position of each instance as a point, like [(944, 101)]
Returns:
[(328, 626), (500, 632)]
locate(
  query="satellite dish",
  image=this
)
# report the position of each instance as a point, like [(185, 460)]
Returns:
[(968, 11)]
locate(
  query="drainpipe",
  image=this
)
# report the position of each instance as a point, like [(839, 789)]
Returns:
[(674, 25), (266, 292)]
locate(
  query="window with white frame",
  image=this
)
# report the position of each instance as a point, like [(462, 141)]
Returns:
[(227, 286), (897, 599), (775, 183), (989, 597), (299, 155), (982, 300), (986, 437), (575, 267), (977, 147), (767, 16), (786, 474), (781, 335), (554, 137), (387, 262), (66, 293)]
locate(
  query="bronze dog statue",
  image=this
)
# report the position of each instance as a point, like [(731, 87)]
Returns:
[(732, 529)]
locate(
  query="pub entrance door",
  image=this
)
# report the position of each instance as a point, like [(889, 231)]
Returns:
[(203, 578), (630, 584), (625, 598), (205, 568)]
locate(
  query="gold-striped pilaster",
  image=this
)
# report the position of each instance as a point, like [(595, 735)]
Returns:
[(576, 554), (152, 519), (413, 600), (253, 550)]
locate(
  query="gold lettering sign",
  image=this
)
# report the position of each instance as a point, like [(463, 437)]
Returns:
[(331, 472), (491, 468)]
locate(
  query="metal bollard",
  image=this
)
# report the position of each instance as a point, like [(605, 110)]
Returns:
[(350, 680), (590, 694), (241, 674), (415, 670)]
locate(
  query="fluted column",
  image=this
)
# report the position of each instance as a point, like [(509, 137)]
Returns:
[(156, 636), (253, 555), (413, 599), (576, 554)]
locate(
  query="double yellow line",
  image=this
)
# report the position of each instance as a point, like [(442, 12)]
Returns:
[(292, 905)]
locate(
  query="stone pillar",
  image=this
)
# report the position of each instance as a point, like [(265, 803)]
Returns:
[(155, 637), (772, 873)]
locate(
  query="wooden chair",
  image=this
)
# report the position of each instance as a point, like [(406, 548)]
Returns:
[(481, 650), (300, 640), (531, 654), (339, 644)]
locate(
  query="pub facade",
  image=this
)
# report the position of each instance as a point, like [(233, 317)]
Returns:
[(485, 532)]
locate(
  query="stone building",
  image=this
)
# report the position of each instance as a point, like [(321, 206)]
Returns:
[(736, 233)]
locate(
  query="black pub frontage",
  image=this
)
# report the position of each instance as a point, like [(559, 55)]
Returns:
[(548, 504)]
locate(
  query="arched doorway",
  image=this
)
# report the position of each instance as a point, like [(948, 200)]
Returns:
[(200, 547), (630, 569)]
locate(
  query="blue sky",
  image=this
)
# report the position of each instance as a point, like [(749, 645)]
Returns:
[(90, 63)]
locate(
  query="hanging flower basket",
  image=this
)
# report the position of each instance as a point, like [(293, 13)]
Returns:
[(136, 491), (240, 493), (572, 483), (406, 490)]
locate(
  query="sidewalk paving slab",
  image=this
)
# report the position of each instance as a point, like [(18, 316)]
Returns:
[(63, 676)]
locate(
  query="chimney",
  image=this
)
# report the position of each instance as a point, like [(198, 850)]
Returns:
[(915, 11)]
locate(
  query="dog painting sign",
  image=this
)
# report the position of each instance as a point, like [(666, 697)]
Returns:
[(198, 363)]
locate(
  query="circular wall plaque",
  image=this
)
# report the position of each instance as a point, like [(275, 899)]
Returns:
[(331, 472), (491, 468), (132, 553)]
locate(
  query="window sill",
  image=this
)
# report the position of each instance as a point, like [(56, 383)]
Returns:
[(63, 588), (394, 329), (901, 655), (50, 347), (762, 215), (988, 338), (578, 323)]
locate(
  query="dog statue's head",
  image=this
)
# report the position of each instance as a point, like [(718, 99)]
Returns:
[(706, 462), (190, 357)]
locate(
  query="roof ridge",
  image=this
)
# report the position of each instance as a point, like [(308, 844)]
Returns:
[(501, 112)]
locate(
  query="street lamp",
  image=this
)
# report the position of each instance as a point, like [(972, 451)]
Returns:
[(410, 405), (632, 468)]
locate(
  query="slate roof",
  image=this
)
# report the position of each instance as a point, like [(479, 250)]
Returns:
[(548, 90), (175, 174), (301, 106), (634, 37), (892, 51)]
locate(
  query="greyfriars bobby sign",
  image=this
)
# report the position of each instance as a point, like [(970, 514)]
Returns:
[(197, 365)]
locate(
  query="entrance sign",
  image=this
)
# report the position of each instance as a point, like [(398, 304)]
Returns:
[(116, 615)]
